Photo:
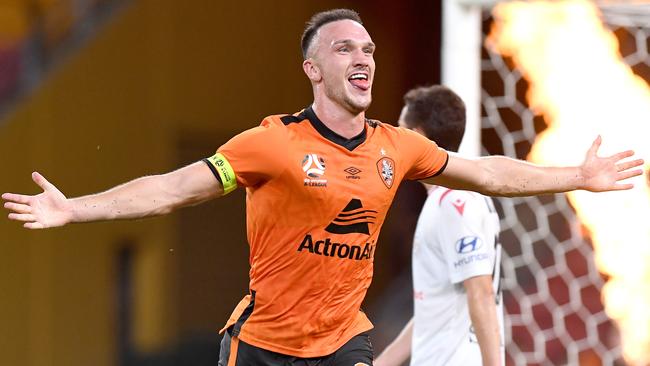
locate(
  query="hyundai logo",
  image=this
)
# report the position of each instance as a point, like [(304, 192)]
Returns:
[(468, 244)]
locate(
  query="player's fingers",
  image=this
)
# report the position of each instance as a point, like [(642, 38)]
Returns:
[(22, 217), (622, 187), (629, 165), (595, 146), (628, 174), (18, 198), (17, 207), (623, 155), (33, 225), (41, 181)]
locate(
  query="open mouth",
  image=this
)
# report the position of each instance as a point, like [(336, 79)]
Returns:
[(359, 80)]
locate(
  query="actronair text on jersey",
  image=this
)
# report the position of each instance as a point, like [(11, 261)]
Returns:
[(332, 249)]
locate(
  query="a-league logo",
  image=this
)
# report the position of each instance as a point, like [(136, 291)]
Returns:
[(313, 165)]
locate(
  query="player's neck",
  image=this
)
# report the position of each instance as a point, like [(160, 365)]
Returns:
[(338, 119)]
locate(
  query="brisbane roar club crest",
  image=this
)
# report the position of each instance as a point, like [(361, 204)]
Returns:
[(386, 170)]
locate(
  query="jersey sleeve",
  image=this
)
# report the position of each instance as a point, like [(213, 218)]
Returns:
[(423, 158), (253, 156), (469, 237)]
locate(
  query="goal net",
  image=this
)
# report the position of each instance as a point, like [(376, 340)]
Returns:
[(555, 314)]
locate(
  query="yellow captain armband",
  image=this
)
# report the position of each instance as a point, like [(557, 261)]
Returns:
[(221, 167)]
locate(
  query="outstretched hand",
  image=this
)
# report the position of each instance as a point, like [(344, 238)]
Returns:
[(48, 209), (606, 173)]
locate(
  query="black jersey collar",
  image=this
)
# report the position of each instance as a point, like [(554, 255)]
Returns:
[(325, 131)]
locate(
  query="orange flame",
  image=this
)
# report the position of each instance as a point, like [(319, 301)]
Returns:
[(579, 82)]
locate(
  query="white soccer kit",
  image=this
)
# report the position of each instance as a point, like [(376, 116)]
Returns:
[(456, 238)]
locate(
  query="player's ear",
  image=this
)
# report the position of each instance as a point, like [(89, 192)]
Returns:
[(311, 70)]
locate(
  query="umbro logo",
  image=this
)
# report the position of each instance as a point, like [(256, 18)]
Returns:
[(353, 219), (352, 170), (352, 173)]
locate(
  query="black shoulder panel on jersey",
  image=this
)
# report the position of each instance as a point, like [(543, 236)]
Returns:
[(289, 118), (371, 122)]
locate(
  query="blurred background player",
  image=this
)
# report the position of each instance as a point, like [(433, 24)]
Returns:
[(458, 315)]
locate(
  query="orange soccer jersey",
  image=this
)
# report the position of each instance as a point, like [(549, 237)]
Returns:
[(315, 204)]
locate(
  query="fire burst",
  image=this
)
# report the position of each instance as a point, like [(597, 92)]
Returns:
[(579, 82)]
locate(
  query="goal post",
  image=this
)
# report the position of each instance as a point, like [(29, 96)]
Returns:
[(461, 65)]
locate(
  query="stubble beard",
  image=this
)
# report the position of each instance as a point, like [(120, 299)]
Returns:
[(356, 107), (341, 97)]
